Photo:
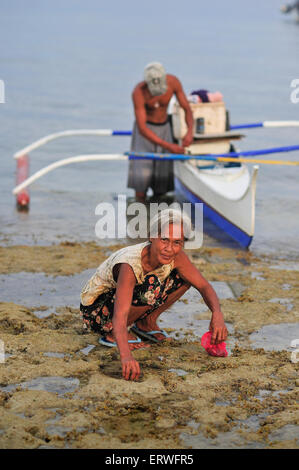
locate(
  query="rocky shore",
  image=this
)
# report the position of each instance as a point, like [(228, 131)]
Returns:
[(60, 389)]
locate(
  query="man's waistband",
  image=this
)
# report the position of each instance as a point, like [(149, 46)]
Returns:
[(159, 123)]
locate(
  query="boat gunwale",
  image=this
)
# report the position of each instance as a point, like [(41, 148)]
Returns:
[(196, 172)]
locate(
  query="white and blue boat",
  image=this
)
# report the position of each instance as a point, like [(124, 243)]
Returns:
[(227, 190), (227, 194)]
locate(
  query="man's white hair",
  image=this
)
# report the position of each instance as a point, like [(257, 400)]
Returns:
[(164, 218), (155, 78), (157, 66)]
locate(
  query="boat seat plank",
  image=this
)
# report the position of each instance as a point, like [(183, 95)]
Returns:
[(219, 136)]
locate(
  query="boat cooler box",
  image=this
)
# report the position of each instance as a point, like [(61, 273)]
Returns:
[(210, 128)]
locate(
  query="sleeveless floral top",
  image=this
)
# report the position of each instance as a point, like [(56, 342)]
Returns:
[(102, 281)]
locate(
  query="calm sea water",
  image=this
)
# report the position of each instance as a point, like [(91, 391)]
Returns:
[(69, 64)]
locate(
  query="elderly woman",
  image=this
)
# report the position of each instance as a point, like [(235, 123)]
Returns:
[(137, 283)]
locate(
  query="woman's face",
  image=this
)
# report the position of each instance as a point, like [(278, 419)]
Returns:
[(168, 244)]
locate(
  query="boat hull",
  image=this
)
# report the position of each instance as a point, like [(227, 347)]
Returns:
[(227, 194)]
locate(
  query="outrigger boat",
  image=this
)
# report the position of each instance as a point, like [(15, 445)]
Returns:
[(227, 194), (212, 173), (227, 190)]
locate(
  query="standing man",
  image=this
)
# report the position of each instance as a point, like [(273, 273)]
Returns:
[(152, 131)]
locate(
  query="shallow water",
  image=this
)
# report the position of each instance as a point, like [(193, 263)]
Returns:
[(275, 337), (179, 372), (287, 302), (87, 350), (58, 430), (257, 276), (59, 291), (63, 68), (288, 432), (184, 320), (289, 266), (226, 440), (233, 439), (59, 385), (53, 354), (36, 289), (265, 393)]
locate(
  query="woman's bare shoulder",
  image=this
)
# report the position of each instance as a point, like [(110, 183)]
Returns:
[(124, 273), (182, 260)]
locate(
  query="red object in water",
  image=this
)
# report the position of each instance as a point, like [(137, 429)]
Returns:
[(23, 197), (213, 349)]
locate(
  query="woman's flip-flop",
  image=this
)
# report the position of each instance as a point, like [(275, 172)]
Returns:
[(112, 344), (149, 334)]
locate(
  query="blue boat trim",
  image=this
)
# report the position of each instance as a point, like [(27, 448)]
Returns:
[(238, 126), (121, 132), (247, 126), (232, 230), (212, 156)]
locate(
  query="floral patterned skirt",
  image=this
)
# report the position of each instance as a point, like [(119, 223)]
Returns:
[(152, 292)]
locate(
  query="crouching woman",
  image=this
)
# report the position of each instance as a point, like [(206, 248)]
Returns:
[(137, 283)]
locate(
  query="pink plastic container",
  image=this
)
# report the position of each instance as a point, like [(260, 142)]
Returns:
[(213, 349)]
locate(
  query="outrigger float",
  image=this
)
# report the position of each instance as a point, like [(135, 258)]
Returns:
[(212, 172)]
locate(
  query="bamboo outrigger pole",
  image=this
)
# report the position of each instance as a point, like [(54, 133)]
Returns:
[(135, 156), (22, 156), (110, 132)]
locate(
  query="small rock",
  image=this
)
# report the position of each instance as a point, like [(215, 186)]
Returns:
[(165, 423)]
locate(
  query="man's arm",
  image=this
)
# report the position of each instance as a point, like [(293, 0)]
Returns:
[(183, 102), (140, 115)]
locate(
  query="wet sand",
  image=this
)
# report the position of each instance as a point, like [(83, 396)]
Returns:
[(60, 389)]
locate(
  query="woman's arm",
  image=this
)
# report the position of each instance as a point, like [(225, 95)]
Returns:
[(123, 300), (191, 274)]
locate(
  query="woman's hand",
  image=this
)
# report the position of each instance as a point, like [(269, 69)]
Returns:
[(218, 328), (130, 368)]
